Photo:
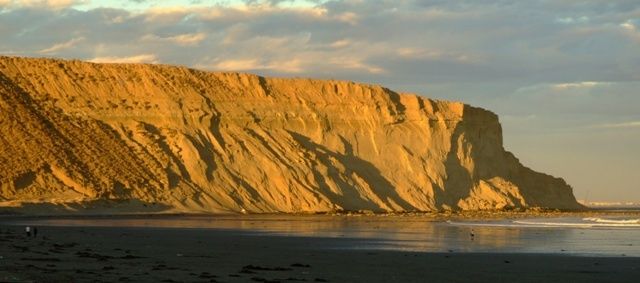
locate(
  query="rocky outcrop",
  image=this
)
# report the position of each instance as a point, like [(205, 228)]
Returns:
[(174, 138)]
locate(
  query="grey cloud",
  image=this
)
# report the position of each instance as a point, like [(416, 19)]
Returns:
[(392, 42), (515, 41)]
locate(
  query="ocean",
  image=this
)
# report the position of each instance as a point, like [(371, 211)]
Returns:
[(575, 236)]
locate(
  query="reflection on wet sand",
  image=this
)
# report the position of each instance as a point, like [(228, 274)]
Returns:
[(422, 234)]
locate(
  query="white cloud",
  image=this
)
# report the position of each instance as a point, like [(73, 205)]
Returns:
[(61, 46), (168, 14), (631, 30), (286, 66), (573, 20), (268, 8), (570, 91), (240, 12), (187, 39), (628, 25), (421, 53), (238, 65), (348, 17), (55, 4), (340, 43), (142, 58), (356, 64), (577, 85), (630, 124)]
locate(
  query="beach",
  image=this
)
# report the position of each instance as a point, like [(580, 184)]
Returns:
[(178, 254)]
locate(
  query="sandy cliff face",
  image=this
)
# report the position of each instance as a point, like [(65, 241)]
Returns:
[(182, 139)]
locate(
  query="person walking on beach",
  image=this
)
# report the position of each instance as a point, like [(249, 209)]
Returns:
[(28, 231)]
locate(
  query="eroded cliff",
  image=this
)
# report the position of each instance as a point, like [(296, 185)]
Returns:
[(173, 138)]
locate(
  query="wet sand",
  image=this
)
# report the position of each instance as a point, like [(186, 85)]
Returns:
[(112, 254)]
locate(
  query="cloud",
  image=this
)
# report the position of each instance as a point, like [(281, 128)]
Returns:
[(340, 43), (238, 65), (54, 4), (628, 25), (356, 64), (573, 107), (64, 45), (142, 58), (287, 66), (630, 29), (167, 14), (398, 43), (573, 20), (578, 85), (348, 17), (240, 12), (550, 89), (187, 39), (630, 124), (421, 53)]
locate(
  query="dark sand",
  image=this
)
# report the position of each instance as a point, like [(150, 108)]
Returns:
[(94, 254)]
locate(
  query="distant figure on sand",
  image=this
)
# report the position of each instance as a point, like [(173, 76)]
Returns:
[(35, 232), (472, 234), (28, 231)]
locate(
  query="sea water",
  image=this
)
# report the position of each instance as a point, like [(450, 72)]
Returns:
[(604, 236), (577, 236)]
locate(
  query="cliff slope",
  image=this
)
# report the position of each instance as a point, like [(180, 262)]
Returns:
[(173, 138)]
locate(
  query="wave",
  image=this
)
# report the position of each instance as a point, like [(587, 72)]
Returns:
[(481, 224), (616, 221), (577, 224), (590, 222)]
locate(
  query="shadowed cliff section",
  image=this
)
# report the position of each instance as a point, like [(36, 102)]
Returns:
[(76, 133)]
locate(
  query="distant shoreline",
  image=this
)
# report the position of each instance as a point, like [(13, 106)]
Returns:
[(470, 215)]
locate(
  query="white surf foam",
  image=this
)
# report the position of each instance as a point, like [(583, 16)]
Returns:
[(481, 224), (590, 222), (614, 221)]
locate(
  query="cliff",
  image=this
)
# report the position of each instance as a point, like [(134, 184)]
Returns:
[(170, 138)]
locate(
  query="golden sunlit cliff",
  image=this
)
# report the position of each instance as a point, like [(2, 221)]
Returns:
[(73, 134)]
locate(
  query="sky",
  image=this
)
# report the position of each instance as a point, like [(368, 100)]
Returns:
[(563, 75)]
